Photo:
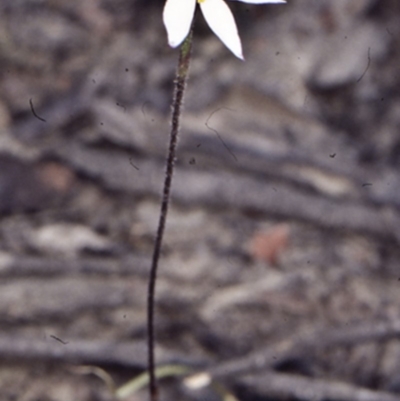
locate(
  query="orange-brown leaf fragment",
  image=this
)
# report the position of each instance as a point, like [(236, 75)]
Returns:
[(267, 245)]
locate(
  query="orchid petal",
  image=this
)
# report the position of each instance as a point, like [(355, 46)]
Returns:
[(220, 19), (178, 16)]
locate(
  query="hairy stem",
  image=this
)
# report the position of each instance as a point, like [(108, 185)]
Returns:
[(180, 82)]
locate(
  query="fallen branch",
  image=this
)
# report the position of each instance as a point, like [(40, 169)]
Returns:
[(284, 387), (307, 346), (128, 354)]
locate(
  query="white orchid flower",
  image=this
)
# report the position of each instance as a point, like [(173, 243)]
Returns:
[(178, 16)]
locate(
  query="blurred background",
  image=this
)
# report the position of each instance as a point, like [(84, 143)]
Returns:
[(280, 272)]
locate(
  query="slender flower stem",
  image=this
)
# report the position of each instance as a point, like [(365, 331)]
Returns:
[(180, 83)]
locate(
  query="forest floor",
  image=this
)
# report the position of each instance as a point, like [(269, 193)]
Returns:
[(280, 274)]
